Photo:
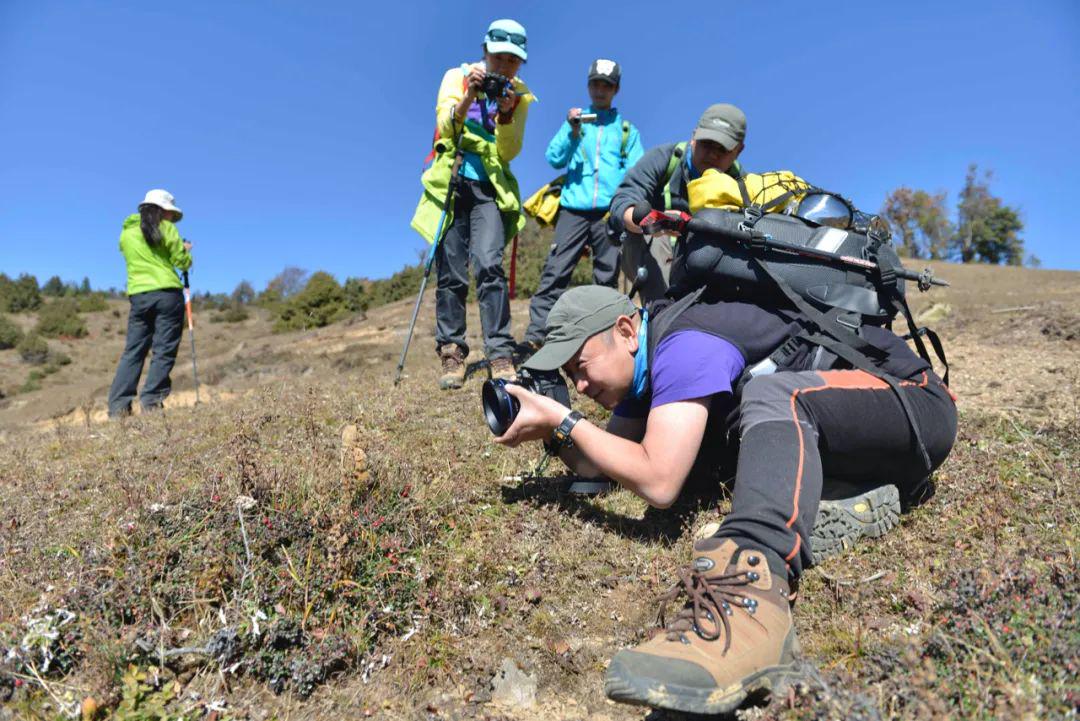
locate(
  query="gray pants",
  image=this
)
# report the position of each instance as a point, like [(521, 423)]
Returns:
[(573, 230), (476, 235), (155, 321), (656, 255)]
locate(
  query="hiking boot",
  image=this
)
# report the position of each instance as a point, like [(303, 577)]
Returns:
[(844, 516), (453, 366), (502, 368), (733, 636), (524, 350)]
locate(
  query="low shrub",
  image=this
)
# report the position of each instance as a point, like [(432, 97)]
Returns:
[(33, 349), (61, 319), (10, 334)]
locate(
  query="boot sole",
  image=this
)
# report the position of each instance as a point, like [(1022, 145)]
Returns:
[(624, 687), (842, 522)]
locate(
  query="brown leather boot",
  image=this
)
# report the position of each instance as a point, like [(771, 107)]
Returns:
[(453, 366), (734, 636), (502, 368)]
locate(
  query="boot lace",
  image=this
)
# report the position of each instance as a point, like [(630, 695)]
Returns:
[(708, 597)]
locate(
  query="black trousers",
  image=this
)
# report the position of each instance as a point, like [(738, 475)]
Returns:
[(155, 322), (796, 428), (573, 230), (476, 235)]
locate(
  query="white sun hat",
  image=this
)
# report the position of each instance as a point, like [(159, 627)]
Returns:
[(162, 199)]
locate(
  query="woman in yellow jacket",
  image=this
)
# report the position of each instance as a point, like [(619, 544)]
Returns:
[(486, 210), (153, 249)]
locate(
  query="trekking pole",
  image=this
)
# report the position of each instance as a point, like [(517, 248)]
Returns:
[(431, 253), (191, 333)]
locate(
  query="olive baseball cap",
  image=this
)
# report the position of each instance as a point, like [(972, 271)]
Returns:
[(579, 314), (722, 123)]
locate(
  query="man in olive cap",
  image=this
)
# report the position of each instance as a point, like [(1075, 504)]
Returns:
[(673, 374), (658, 182)]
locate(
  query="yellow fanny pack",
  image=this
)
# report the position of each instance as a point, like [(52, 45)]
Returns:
[(544, 203), (774, 191)]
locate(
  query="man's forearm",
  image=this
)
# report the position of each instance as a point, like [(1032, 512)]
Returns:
[(599, 453)]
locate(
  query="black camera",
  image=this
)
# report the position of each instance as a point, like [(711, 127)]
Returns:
[(496, 86), (501, 408)]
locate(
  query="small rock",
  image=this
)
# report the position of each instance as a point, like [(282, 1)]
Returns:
[(935, 313), (513, 687)]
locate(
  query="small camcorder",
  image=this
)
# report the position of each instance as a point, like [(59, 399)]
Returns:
[(496, 86), (501, 408), (584, 118)]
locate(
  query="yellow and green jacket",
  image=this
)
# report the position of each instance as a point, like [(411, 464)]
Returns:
[(493, 150), (150, 267)]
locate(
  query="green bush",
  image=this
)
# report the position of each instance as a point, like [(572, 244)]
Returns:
[(10, 334), (92, 303), (321, 302), (60, 318), (18, 296), (233, 314), (33, 382), (33, 349)]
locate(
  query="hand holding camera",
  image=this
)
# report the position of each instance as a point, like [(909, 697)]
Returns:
[(538, 399)]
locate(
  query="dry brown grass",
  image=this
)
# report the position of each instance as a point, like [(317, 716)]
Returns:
[(134, 527)]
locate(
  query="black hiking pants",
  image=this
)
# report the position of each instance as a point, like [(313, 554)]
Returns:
[(573, 230), (797, 427), (155, 322), (476, 235)]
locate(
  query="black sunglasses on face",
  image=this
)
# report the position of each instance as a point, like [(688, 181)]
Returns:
[(501, 36)]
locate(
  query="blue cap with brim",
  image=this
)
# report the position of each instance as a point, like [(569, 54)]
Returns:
[(511, 31)]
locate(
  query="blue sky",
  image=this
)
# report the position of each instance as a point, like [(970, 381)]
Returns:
[(294, 133)]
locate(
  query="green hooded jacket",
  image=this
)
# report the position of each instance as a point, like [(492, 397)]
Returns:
[(151, 267), (436, 179)]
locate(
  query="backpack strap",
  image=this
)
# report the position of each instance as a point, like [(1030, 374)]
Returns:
[(673, 162)]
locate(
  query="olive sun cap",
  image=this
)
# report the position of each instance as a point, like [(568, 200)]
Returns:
[(579, 314), (722, 123)]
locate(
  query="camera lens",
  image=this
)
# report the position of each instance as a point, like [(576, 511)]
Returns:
[(500, 408)]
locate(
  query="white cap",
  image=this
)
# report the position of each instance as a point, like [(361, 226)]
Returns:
[(162, 199)]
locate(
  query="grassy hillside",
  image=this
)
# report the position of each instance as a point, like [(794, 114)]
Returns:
[(313, 543)]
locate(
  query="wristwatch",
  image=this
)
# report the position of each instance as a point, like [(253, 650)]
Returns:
[(560, 437)]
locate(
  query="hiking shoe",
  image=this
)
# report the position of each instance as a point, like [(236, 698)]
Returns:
[(524, 350), (502, 368), (591, 487), (733, 637), (841, 521), (453, 366)]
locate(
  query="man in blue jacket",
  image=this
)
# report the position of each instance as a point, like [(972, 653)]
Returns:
[(596, 146)]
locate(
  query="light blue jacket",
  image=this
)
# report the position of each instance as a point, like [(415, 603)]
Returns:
[(593, 161)]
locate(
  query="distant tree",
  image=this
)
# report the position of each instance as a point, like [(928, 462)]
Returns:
[(987, 230), (356, 296), (243, 293), (18, 296), (919, 221), (85, 288), (54, 287), (321, 302), (287, 283)]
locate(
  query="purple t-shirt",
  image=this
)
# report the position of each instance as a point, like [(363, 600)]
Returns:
[(688, 364)]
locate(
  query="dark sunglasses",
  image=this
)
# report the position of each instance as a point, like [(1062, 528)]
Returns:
[(501, 36)]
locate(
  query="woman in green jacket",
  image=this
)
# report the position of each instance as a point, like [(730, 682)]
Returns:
[(153, 249)]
